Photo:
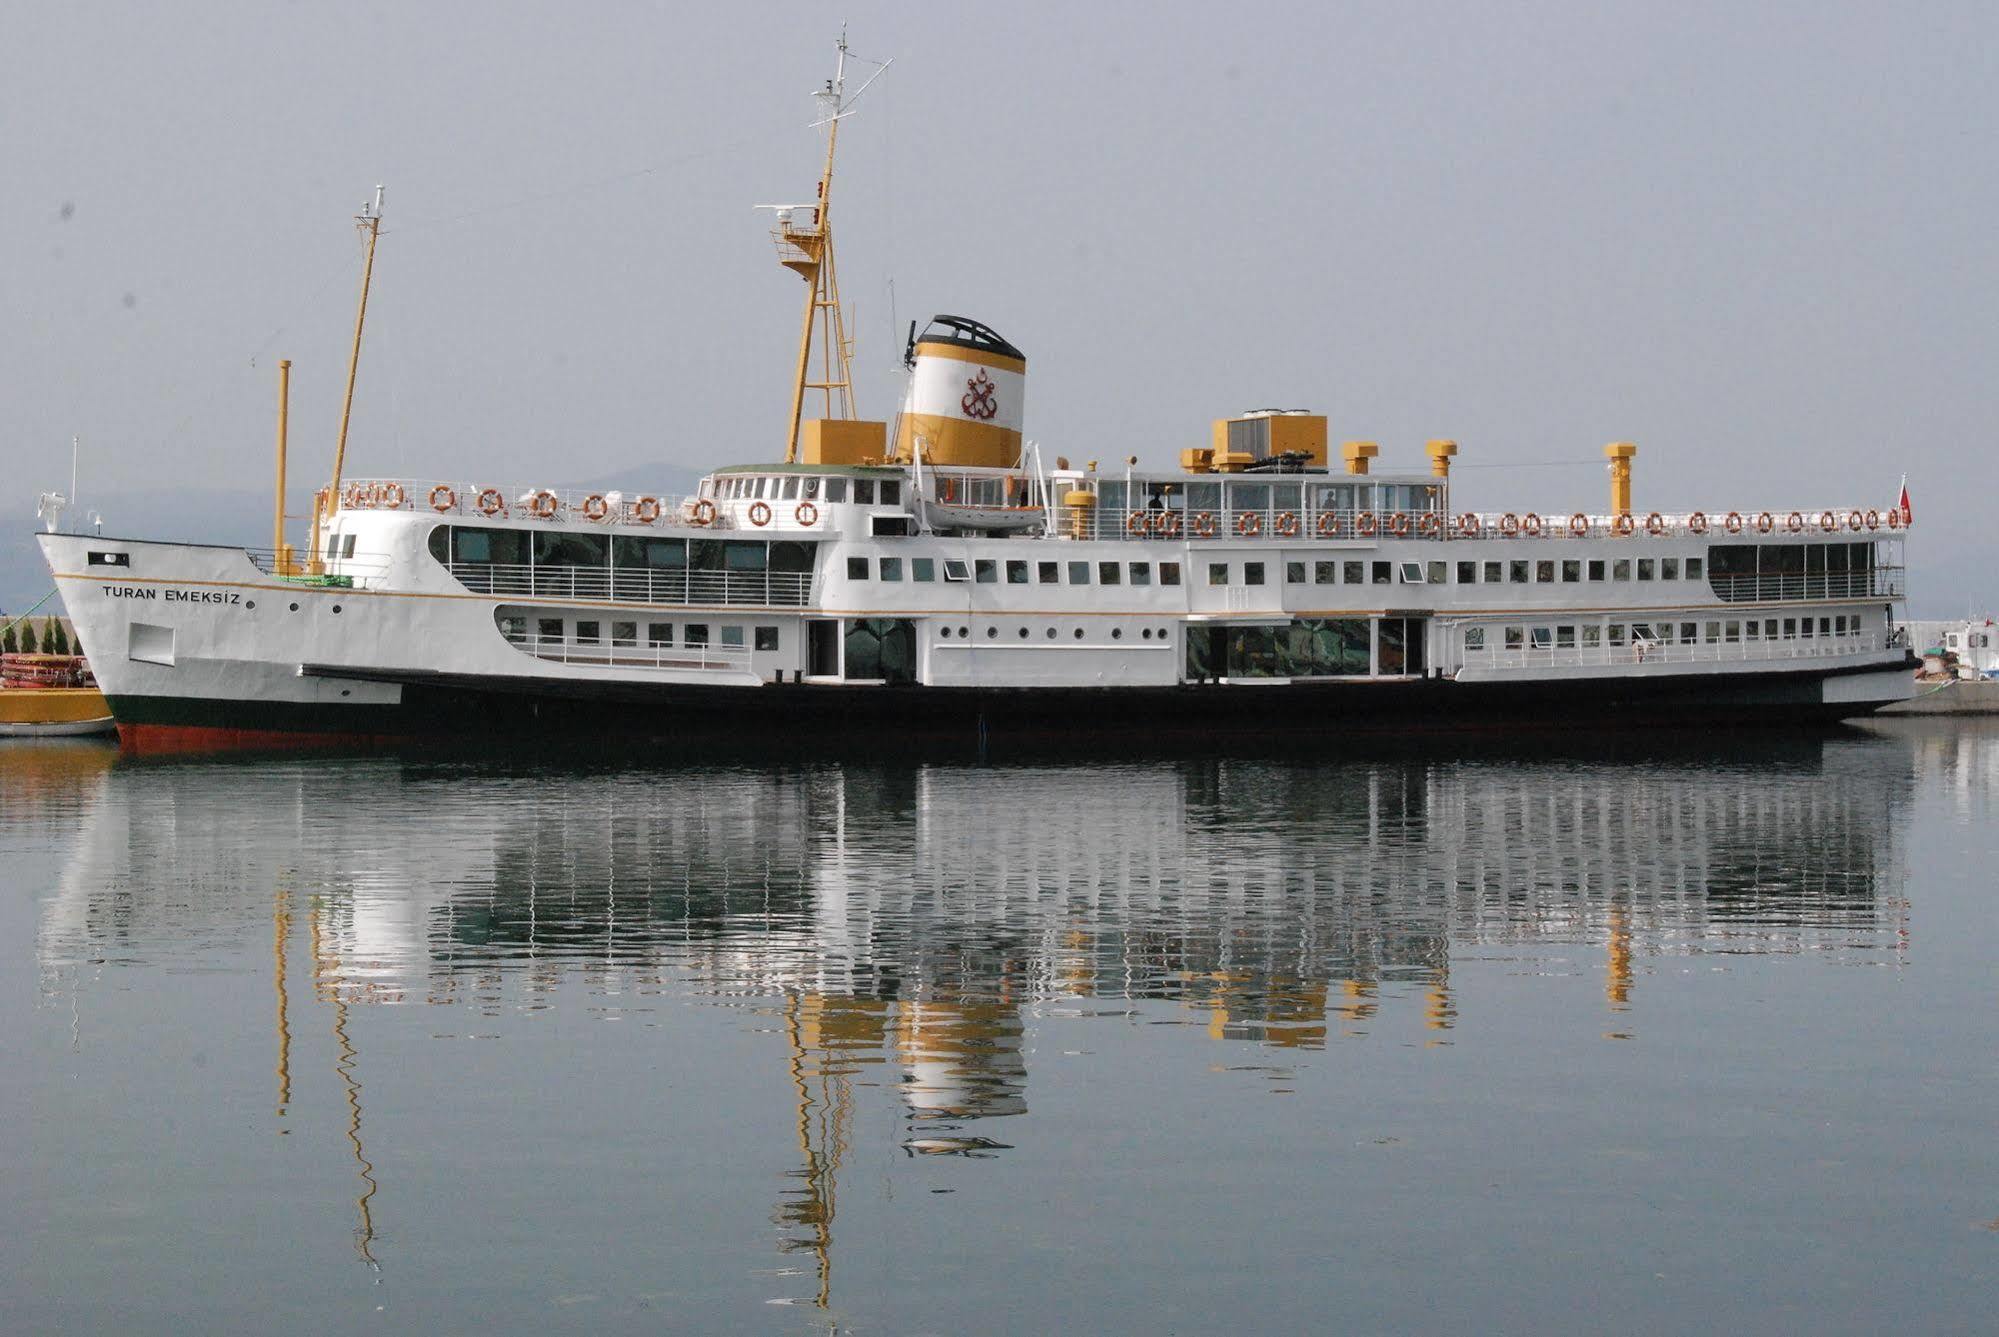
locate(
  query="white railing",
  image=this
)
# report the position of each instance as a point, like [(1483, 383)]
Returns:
[(630, 654), (780, 589), (445, 497), (1882, 582), (1673, 652), (1307, 522)]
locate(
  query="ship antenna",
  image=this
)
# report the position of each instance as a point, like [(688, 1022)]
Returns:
[(369, 222), (806, 248)]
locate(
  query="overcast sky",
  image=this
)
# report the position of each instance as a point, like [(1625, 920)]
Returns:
[(1757, 239)]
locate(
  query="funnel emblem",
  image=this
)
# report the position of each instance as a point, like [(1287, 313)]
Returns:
[(978, 401)]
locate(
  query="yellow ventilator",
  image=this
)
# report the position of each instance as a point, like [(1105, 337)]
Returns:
[(967, 387)]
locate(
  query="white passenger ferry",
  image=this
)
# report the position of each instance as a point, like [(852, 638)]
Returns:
[(938, 576)]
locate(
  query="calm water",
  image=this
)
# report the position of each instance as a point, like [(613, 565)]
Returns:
[(1693, 1039)]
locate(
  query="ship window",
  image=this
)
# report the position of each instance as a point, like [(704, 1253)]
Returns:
[(630, 553), (1713, 635), (1474, 638), (590, 631), (746, 556), (1016, 572), (1617, 633), (1107, 573), (891, 492), (694, 634), (1141, 573), (1383, 573), (1732, 631), (1252, 573), (1592, 636), (891, 568), (1645, 568), (1621, 569), (548, 628), (1412, 573), (791, 488), (1437, 576), (857, 568), (556, 548), (1353, 573), (732, 638), (809, 488), (836, 489), (1565, 638), (955, 569), (1516, 573), (1218, 573), (985, 570), (1572, 571), (1494, 572), (1790, 628), (923, 569), (1825, 626), (1596, 568), (1641, 631), (1325, 573), (624, 633), (1544, 573), (1752, 630), (1689, 633), (1467, 573), (659, 633), (1515, 637), (1294, 573), (1079, 573), (1669, 568), (864, 491), (513, 628), (1169, 573), (474, 545), (1693, 568), (1048, 573), (1541, 638)]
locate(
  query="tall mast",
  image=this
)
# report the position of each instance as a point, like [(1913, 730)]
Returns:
[(369, 221), (804, 237)]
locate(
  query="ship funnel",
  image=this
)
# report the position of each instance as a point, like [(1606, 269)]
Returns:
[(966, 390)]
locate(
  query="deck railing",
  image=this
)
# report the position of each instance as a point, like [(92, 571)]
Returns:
[(1306, 522), (446, 497), (1881, 582), (630, 654), (673, 586), (1671, 652)]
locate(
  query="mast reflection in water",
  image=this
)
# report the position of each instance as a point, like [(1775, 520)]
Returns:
[(899, 934)]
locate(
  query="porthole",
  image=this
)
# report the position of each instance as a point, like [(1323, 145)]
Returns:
[(1051, 633), (1023, 633), (1162, 633), (945, 633), (1079, 633), (963, 632), (992, 633), (249, 603), (1146, 634), (294, 608), (336, 608), (1117, 633)]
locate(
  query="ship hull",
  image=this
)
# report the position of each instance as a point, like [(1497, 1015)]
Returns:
[(819, 719)]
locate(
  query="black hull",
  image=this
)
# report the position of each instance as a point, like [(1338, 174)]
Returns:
[(809, 719)]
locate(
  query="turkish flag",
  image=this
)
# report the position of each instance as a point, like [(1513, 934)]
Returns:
[(1908, 517)]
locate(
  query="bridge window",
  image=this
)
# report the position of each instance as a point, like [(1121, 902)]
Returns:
[(1048, 573), (985, 570), (857, 568), (1016, 572), (1252, 573), (923, 570), (891, 568), (1169, 573), (1141, 573)]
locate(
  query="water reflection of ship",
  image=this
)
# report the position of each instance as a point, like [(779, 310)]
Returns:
[(915, 923)]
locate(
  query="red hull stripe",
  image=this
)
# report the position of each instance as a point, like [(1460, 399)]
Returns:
[(166, 740)]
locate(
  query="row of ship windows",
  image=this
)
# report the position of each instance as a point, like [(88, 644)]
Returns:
[(988, 570), (589, 631), (805, 487), (1590, 635), (992, 633), (1514, 572)]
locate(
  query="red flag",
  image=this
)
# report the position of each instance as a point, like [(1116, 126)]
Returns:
[(1908, 517)]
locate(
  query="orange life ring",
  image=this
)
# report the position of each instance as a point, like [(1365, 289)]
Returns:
[(491, 502), (1366, 524), (1398, 523), (1134, 523), (1530, 525), (1795, 523), (806, 514), (1329, 524), (1894, 517), (1853, 521), (1509, 525), (1204, 525), (442, 498), (1655, 524), (392, 497), (1428, 524), (1828, 522), (1287, 525), (759, 513), (1697, 522), (1622, 525), (595, 507), (646, 510), (1468, 525), (544, 505), (703, 513), (1249, 524), (1579, 524), (1874, 519), (1167, 523), (1765, 523), (354, 497), (1733, 524)]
